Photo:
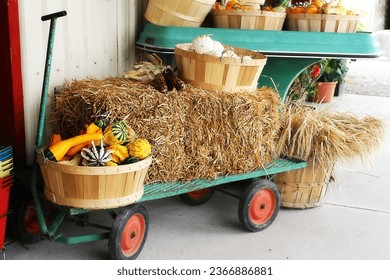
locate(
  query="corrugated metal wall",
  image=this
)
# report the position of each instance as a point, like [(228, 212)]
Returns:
[(96, 39)]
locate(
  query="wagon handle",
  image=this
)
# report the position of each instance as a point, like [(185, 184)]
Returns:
[(53, 15), (42, 112)]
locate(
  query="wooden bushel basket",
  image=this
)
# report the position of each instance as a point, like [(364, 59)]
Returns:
[(303, 188), (248, 19), (93, 187), (322, 23), (187, 13), (216, 73)]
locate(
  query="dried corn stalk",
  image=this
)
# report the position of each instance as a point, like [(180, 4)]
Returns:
[(324, 137)]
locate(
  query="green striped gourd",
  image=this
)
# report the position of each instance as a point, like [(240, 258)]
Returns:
[(115, 133)]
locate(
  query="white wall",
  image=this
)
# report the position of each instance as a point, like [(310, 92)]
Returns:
[(96, 39)]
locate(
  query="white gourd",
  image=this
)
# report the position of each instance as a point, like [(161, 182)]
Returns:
[(229, 53), (203, 44)]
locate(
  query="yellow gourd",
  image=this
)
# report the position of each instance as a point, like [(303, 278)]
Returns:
[(139, 148), (111, 163), (120, 153), (55, 138), (92, 128), (57, 151)]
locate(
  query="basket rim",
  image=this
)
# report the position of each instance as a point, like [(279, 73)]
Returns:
[(93, 170), (180, 50), (323, 16), (215, 12)]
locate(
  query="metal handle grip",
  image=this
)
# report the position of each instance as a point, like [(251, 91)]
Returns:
[(54, 15)]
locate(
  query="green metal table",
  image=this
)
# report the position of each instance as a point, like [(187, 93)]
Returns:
[(288, 52)]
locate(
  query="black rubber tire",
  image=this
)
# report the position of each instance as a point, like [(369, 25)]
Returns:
[(197, 198), (133, 215), (265, 205)]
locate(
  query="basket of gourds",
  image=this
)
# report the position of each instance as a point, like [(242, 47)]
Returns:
[(208, 64), (320, 16), (103, 167), (236, 15)]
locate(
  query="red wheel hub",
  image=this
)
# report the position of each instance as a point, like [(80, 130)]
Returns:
[(199, 194), (262, 206), (30, 218), (133, 234)]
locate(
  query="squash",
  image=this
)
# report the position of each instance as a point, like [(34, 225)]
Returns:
[(115, 133), (111, 163), (119, 153), (75, 161), (100, 123), (130, 160), (55, 138), (57, 151), (91, 128), (96, 155), (139, 148)]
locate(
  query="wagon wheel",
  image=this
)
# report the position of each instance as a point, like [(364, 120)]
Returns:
[(24, 220), (259, 205), (128, 233), (198, 197)]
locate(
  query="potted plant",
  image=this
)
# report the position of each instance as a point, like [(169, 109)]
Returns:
[(305, 85), (333, 73)]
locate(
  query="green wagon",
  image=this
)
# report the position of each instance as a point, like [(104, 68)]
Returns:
[(259, 198)]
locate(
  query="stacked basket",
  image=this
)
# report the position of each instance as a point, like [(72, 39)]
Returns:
[(305, 187), (248, 19), (323, 23), (216, 73), (6, 181), (188, 13)]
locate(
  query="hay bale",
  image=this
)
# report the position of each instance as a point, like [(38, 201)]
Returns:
[(195, 133)]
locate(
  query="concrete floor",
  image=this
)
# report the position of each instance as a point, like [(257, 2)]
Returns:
[(352, 224)]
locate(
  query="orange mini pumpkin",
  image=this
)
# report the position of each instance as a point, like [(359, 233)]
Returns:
[(233, 5), (311, 9), (298, 10)]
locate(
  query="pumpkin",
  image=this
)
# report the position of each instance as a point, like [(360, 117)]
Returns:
[(57, 151), (96, 155), (233, 5), (311, 9), (119, 152), (115, 133), (218, 6), (139, 148)]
